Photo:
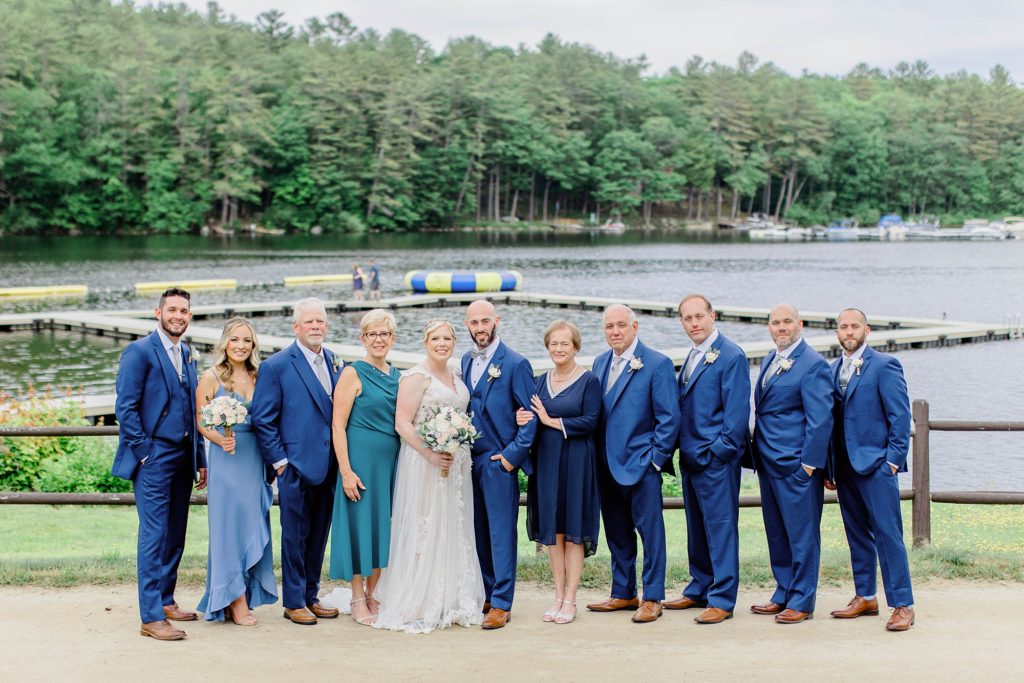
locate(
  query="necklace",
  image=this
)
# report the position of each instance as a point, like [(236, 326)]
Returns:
[(383, 371), (572, 372)]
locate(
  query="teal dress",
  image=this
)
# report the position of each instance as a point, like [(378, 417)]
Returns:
[(361, 530)]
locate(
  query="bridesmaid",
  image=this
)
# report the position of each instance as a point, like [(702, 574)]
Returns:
[(562, 499), (240, 564), (366, 446)]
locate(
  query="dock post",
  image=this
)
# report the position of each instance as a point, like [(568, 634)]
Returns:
[(921, 507)]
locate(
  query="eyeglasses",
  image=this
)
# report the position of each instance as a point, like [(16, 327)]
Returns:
[(374, 336)]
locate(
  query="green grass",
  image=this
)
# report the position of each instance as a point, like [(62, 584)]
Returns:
[(64, 546)]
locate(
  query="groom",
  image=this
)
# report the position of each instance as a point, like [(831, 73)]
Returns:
[(159, 451), (500, 382), (291, 416)]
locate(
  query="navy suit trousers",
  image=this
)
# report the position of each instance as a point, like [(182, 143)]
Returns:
[(496, 522), (305, 522), (712, 533), (163, 487), (628, 510)]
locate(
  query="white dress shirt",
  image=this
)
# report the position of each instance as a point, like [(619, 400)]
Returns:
[(173, 350), (477, 367), (702, 348)]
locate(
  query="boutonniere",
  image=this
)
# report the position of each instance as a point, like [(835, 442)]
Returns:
[(711, 356), (784, 365), (336, 362), (493, 372), (195, 358), (635, 364), (856, 363)]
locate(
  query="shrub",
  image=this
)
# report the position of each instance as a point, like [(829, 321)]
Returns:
[(86, 470)]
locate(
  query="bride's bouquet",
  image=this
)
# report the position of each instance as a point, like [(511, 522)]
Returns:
[(223, 411), (446, 430)]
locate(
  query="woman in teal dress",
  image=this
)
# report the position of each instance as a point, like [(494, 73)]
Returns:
[(366, 446), (240, 562)]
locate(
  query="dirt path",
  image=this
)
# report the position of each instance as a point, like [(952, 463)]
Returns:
[(964, 630)]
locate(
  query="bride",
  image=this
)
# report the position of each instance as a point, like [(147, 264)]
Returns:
[(433, 576)]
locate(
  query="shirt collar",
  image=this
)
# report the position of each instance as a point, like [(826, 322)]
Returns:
[(491, 348), (628, 353), (310, 356), (166, 341), (786, 353), (856, 354), (706, 344)]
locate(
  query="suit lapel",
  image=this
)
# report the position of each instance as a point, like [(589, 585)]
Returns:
[(316, 390), (699, 370), (467, 362), (765, 364), (496, 360), (855, 375), (170, 376), (778, 373), (627, 373)]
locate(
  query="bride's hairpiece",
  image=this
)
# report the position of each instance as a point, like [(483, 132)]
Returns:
[(435, 323)]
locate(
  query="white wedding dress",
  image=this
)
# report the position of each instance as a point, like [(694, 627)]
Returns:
[(433, 575)]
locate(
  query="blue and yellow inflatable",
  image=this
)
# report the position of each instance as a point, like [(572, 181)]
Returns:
[(459, 281)]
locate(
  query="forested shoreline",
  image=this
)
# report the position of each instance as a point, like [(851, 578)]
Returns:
[(118, 119)]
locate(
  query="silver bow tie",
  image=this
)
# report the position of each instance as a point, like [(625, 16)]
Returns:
[(478, 354)]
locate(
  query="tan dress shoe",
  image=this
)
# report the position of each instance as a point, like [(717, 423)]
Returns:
[(858, 607), (683, 603), (767, 608), (495, 619), (712, 615), (613, 605), (649, 610), (175, 613), (901, 620), (792, 616), (323, 612), (161, 630), (301, 616)]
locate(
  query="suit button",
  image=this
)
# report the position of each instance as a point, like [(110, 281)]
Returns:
[(165, 413)]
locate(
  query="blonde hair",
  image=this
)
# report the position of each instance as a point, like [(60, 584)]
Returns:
[(577, 339), (435, 323), (221, 366), (377, 316)]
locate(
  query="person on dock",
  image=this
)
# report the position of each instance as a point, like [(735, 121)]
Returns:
[(500, 382), (358, 280), (714, 412), (636, 441), (160, 451), (792, 428), (870, 442), (291, 415), (373, 275)]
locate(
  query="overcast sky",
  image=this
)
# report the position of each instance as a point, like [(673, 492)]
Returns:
[(823, 36)]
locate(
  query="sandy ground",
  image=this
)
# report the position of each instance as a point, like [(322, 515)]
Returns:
[(964, 631)]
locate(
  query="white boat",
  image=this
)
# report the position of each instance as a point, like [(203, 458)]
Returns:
[(768, 234), (794, 234), (1014, 226), (843, 231)]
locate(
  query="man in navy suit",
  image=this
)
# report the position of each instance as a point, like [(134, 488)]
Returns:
[(714, 413), (869, 446), (500, 382), (291, 416), (161, 453), (792, 428), (635, 445)]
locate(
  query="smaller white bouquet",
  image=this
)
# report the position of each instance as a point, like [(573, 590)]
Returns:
[(446, 430), (223, 411)]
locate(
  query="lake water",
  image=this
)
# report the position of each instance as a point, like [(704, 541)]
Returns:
[(970, 281)]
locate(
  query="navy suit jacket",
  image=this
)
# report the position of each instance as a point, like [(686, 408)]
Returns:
[(291, 413), (500, 398), (639, 416), (714, 408), (793, 424), (146, 383), (874, 413)]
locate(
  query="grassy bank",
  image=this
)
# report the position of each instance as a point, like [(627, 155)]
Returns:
[(68, 546)]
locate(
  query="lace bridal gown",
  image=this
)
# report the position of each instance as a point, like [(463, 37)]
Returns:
[(433, 576)]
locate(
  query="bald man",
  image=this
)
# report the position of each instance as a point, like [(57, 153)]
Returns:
[(792, 429)]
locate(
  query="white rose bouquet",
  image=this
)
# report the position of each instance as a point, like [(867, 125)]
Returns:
[(223, 411), (446, 430)]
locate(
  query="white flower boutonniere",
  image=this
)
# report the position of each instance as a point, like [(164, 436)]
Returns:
[(635, 364), (856, 363), (784, 365), (493, 372), (196, 357), (336, 362), (711, 356)]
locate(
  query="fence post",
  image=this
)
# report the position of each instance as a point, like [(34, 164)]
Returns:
[(921, 508)]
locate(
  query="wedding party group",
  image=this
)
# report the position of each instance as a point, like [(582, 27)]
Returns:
[(413, 476)]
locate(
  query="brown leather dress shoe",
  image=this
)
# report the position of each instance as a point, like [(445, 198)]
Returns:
[(323, 612), (175, 613), (712, 615), (301, 616), (901, 620), (792, 616), (650, 610), (496, 618), (683, 603), (767, 608), (161, 630), (614, 605), (858, 607)]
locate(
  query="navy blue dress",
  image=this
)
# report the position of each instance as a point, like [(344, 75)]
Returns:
[(562, 495), (241, 559)]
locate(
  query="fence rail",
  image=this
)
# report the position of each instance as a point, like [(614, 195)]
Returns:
[(920, 493)]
